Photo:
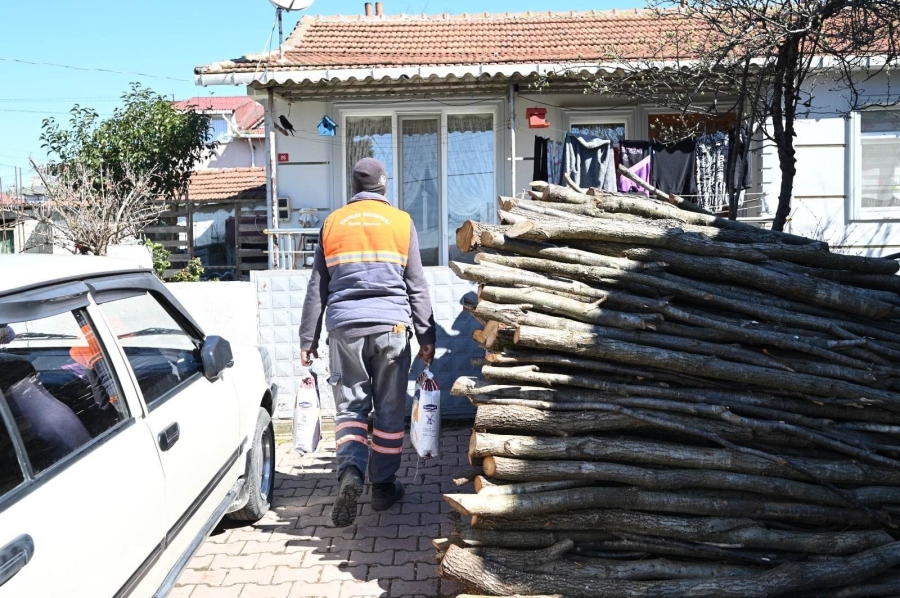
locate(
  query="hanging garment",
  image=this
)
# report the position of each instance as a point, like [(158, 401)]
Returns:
[(742, 166), (673, 167), (711, 164), (554, 162), (589, 161), (635, 155), (540, 172)]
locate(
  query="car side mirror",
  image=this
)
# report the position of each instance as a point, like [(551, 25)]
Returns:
[(216, 356)]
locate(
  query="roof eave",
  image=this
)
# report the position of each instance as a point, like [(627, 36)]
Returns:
[(283, 76)]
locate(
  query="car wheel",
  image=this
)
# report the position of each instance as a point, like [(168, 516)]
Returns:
[(261, 475)]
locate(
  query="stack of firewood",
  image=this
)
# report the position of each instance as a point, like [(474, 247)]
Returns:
[(676, 404)]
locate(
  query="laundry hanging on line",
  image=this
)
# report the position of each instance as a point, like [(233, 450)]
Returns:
[(588, 160)]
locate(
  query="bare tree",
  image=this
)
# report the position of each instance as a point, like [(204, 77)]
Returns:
[(86, 211), (764, 61)]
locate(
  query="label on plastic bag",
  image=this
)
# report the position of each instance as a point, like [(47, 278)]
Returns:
[(306, 431), (425, 428)]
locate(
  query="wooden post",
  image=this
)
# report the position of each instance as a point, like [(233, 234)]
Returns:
[(189, 219), (238, 275)]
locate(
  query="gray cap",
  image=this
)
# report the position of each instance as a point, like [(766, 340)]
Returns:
[(369, 175)]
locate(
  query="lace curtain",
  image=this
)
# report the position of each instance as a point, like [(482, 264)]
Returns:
[(370, 137), (470, 174), (419, 167)]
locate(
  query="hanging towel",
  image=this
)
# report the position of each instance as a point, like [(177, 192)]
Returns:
[(635, 155), (712, 153), (554, 162), (540, 172), (673, 167), (589, 161)]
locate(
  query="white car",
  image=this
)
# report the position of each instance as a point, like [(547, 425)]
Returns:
[(126, 434)]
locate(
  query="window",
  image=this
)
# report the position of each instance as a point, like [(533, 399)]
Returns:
[(218, 128), (161, 353), (614, 132), (879, 161), (470, 176), (445, 162), (670, 126), (370, 137), (10, 472), (60, 389)]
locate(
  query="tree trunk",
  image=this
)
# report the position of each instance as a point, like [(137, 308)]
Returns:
[(501, 242), (468, 236), (737, 533), (505, 468), (815, 291), (664, 454), (596, 346), (558, 501), (584, 312), (495, 579)]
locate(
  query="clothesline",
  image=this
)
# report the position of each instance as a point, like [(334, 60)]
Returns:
[(695, 167)]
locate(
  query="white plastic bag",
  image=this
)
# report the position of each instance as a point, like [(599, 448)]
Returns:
[(425, 429), (307, 426)]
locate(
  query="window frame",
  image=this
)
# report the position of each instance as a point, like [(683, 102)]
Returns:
[(575, 118), (33, 481), (413, 110), (855, 170), (176, 314)]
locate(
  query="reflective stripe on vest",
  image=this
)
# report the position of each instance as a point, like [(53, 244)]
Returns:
[(366, 231)]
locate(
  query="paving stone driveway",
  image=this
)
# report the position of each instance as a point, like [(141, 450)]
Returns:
[(294, 552)]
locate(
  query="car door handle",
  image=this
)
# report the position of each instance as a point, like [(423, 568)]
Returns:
[(14, 556), (169, 436)]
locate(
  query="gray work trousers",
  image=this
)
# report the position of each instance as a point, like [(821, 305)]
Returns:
[(370, 372)]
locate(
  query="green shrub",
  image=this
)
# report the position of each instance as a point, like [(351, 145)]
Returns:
[(161, 261), (190, 273)]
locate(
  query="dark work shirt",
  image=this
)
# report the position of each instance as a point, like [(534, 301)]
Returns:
[(674, 167)]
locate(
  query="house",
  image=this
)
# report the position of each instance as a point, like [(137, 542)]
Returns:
[(448, 103), (228, 181)]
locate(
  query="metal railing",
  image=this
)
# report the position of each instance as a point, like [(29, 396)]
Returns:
[(292, 248)]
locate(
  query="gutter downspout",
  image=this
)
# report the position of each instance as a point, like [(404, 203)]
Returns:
[(513, 88), (252, 152), (271, 179)]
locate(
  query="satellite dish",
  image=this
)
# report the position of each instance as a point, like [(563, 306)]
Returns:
[(292, 4)]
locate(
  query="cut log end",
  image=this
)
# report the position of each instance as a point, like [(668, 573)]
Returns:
[(519, 229), (489, 465)]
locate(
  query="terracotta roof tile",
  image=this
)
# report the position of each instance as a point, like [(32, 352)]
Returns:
[(445, 40), (218, 184), (248, 113)]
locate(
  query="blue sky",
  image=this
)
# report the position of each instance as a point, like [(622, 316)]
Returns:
[(166, 38)]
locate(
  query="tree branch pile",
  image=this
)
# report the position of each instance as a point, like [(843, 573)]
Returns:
[(675, 404)]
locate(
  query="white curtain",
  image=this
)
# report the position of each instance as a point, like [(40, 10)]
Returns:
[(370, 137), (470, 174), (420, 160)]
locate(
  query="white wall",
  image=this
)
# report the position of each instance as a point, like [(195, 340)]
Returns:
[(226, 309), (236, 154), (823, 188)]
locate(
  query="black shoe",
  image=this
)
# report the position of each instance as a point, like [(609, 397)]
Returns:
[(384, 495), (344, 511)]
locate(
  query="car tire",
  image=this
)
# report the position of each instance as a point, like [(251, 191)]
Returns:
[(261, 473)]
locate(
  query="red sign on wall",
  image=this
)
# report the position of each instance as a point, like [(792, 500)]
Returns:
[(284, 157)]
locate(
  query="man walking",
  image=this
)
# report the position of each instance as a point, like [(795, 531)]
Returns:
[(368, 273)]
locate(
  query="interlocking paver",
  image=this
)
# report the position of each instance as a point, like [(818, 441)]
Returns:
[(211, 592), (249, 576), (211, 578), (279, 591), (310, 574), (294, 552)]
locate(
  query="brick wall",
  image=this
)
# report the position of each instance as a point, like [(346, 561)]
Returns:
[(281, 293)]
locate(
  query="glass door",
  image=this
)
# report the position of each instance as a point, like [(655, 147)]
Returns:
[(420, 176)]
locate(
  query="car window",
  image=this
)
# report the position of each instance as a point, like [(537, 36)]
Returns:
[(58, 384), (10, 472), (161, 352)]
